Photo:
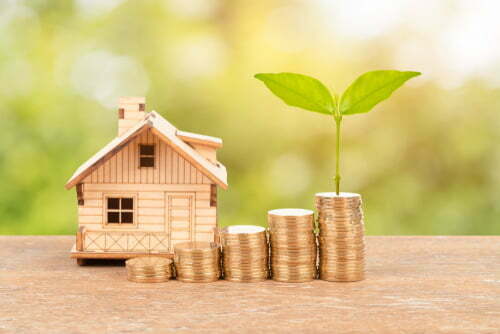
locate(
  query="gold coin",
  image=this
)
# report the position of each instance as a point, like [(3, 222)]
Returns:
[(259, 266), (293, 249), (307, 237), (339, 271), (156, 280), (290, 213), (148, 262), (196, 259), (197, 280), (196, 256), (333, 278), (198, 268), (195, 247), (243, 231), (243, 260), (347, 256), (246, 271), (342, 266), (245, 250), (246, 280), (244, 243), (147, 271), (232, 264)]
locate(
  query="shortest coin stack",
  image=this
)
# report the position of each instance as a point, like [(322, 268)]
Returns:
[(245, 253), (149, 269), (197, 261)]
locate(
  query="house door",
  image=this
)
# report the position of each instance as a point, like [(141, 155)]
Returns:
[(179, 217)]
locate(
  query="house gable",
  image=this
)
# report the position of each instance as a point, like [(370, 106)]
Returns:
[(167, 133), (170, 166)]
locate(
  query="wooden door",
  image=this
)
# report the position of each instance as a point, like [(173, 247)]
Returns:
[(179, 218)]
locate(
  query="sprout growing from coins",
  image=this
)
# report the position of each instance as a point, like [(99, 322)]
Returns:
[(302, 91)]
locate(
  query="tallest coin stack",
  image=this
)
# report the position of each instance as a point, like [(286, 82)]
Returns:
[(341, 237)]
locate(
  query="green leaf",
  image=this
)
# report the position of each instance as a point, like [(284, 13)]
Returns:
[(299, 90), (371, 88)]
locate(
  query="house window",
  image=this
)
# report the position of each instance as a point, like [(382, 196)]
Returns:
[(120, 210), (146, 155)]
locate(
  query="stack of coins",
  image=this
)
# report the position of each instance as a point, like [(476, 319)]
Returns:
[(293, 245), (341, 237), (149, 269), (245, 253), (197, 261)]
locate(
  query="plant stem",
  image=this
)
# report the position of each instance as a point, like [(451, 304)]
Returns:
[(338, 121)]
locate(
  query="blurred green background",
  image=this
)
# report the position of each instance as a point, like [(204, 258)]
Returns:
[(427, 161)]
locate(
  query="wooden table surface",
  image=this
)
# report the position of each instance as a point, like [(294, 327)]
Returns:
[(413, 285)]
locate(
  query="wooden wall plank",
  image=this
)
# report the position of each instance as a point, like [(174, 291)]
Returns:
[(142, 211), (89, 211), (182, 170), (125, 165), (90, 219), (143, 172), (204, 228), (119, 164), (187, 172), (193, 170), (169, 163), (204, 236), (202, 204), (112, 169), (203, 195), (151, 219), (158, 195), (156, 170), (92, 203), (178, 235), (100, 175), (135, 161), (151, 203), (87, 194), (210, 212), (106, 172), (205, 220)]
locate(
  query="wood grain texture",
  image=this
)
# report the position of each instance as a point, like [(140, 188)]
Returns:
[(413, 285), (170, 166)]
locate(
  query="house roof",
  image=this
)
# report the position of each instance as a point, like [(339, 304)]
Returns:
[(199, 139), (167, 132)]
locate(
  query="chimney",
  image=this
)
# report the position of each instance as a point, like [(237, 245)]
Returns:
[(131, 110)]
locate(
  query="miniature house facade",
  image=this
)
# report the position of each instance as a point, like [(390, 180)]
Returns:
[(148, 189)]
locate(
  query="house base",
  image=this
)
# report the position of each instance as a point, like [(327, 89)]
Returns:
[(81, 256)]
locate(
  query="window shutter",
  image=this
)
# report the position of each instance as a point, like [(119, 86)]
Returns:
[(121, 113), (213, 195), (79, 193)]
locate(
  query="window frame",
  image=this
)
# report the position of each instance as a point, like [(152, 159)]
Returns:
[(133, 210), (154, 155)]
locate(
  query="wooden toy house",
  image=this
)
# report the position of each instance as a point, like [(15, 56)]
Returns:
[(149, 188)]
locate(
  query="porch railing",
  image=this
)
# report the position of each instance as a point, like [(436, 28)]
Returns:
[(122, 241)]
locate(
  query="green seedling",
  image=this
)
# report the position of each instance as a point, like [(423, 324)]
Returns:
[(302, 91)]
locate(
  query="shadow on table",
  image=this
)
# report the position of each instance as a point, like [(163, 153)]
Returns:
[(104, 263)]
